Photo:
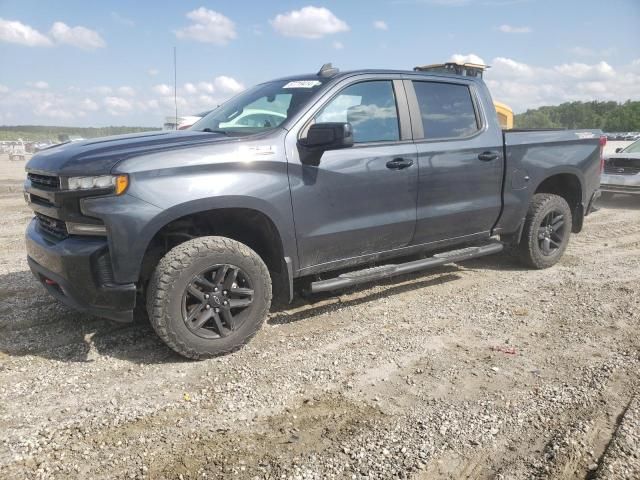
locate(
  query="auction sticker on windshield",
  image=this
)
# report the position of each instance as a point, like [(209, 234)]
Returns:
[(302, 84)]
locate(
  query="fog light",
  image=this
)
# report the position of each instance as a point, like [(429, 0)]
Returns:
[(86, 229)]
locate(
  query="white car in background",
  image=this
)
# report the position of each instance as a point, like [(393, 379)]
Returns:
[(188, 120), (250, 117), (622, 171)]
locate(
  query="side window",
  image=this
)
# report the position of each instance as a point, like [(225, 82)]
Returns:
[(446, 109), (370, 107)]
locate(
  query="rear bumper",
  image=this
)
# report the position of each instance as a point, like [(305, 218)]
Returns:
[(72, 270), (620, 183)]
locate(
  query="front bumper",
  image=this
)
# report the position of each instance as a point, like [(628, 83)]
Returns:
[(76, 271), (620, 183)]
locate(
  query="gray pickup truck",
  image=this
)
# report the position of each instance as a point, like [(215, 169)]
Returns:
[(339, 178)]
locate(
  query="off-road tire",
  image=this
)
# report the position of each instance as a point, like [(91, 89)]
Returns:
[(171, 277), (529, 249)]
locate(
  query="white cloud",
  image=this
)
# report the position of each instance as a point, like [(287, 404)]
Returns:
[(99, 105), (308, 22), (102, 90), (42, 85), (337, 45), (190, 88), (127, 22), (470, 58), (524, 86), (80, 37), (88, 104), (507, 67), (209, 27), (227, 85), (206, 87), (380, 25), (126, 91), (17, 32), (48, 109), (153, 72), (163, 89), (511, 29), (601, 70), (117, 105)]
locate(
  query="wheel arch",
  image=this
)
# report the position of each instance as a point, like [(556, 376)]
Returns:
[(243, 221), (569, 185)]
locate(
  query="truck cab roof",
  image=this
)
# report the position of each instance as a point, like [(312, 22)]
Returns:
[(373, 71)]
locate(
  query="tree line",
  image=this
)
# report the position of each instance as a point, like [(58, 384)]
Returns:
[(607, 116), (43, 133)]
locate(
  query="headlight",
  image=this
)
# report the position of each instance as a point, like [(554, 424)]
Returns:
[(118, 182)]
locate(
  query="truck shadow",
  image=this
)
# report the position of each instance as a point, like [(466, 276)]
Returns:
[(304, 308), (34, 324), (620, 202)]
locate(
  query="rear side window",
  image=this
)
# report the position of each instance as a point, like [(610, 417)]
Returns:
[(447, 110), (370, 107)]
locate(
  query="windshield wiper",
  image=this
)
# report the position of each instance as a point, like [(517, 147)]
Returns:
[(211, 130)]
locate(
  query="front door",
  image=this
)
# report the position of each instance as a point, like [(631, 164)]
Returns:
[(359, 200)]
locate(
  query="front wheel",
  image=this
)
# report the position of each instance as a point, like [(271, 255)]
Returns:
[(208, 296), (546, 231)]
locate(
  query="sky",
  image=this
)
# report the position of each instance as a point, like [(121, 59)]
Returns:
[(81, 63)]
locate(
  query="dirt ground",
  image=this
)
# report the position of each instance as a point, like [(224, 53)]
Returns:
[(478, 370)]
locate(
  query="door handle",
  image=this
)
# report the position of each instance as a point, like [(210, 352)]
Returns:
[(487, 156), (399, 163)]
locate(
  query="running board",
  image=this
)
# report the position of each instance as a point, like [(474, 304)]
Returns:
[(385, 271)]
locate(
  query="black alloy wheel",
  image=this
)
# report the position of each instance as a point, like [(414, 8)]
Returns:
[(546, 230), (551, 232), (214, 300)]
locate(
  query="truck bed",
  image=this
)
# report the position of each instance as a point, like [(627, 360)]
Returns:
[(531, 155)]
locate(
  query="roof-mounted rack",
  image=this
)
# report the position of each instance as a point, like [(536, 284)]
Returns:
[(464, 69), (328, 70)]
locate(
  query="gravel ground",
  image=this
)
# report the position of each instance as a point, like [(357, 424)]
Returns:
[(478, 370)]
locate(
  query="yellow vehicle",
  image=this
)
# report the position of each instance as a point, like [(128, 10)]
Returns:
[(505, 115)]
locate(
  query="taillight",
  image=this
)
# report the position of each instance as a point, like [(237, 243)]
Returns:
[(603, 143)]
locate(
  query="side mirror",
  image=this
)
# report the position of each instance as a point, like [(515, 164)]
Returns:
[(322, 137), (619, 149)]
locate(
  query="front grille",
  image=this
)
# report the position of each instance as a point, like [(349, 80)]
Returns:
[(40, 200), (46, 181), (622, 166), (612, 169), (52, 226)]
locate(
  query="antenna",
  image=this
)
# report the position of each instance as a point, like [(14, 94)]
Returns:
[(327, 70), (175, 84)]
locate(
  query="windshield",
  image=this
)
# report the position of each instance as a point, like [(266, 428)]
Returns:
[(264, 107), (633, 148)]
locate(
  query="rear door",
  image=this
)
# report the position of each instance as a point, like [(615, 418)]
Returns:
[(460, 160), (359, 200)]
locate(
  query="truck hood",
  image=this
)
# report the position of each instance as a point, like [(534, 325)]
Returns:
[(98, 156)]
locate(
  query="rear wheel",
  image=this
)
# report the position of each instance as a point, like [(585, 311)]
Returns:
[(546, 231), (209, 296)]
